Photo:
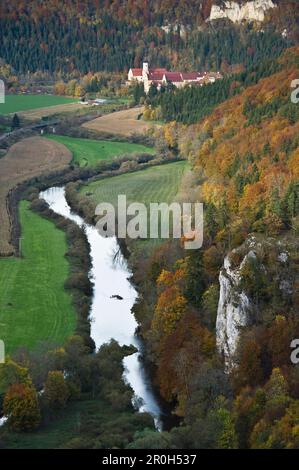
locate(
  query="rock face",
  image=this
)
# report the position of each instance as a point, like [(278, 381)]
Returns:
[(234, 310), (248, 11), (271, 265)]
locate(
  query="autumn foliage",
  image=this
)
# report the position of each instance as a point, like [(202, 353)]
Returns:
[(22, 408), (244, 159), (247, 152)]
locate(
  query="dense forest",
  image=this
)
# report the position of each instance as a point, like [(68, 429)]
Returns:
[(35, 36)]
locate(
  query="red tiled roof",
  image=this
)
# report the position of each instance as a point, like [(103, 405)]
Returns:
[(173, 76), (137, 72), (156, 75), (190, 75)]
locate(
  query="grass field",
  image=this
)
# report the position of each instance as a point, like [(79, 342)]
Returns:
[(34, 306), (24, 160), (155, 184), (124, 122), (18, 103), (88, 152)]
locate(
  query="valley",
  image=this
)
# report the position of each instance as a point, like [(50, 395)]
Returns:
[(42, 261), (117, 337)]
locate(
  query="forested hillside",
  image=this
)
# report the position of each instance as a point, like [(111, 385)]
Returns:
[(189, 104), (76, 37), (249, 142), (245, 170)]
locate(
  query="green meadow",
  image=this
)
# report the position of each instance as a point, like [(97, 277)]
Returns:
[(17, 103), (155, 184), (34, 306), (87, 152)]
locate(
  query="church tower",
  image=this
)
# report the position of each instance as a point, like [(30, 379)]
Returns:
[(145, 73), (145, 68)]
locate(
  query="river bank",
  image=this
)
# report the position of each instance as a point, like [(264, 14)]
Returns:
[(111, 318)]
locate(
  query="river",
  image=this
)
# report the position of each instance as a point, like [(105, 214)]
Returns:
[(112, 318)]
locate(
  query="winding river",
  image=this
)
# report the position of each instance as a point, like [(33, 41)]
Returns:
[(111, 318)]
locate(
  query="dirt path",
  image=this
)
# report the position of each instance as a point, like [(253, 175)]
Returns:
[(24, 160), (121, 122)]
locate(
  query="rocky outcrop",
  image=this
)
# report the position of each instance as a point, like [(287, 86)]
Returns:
[(256, 277), (234, 309), (177, 28), (248, 11)]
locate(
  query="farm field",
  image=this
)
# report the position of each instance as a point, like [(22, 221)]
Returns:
[(124, 122), (155, 184), (21, 103), (34, 306), (24, 160), (88, 152)]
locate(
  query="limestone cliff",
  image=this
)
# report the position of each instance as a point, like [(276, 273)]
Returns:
[(248, 11), (234, 310), (257, 280)]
